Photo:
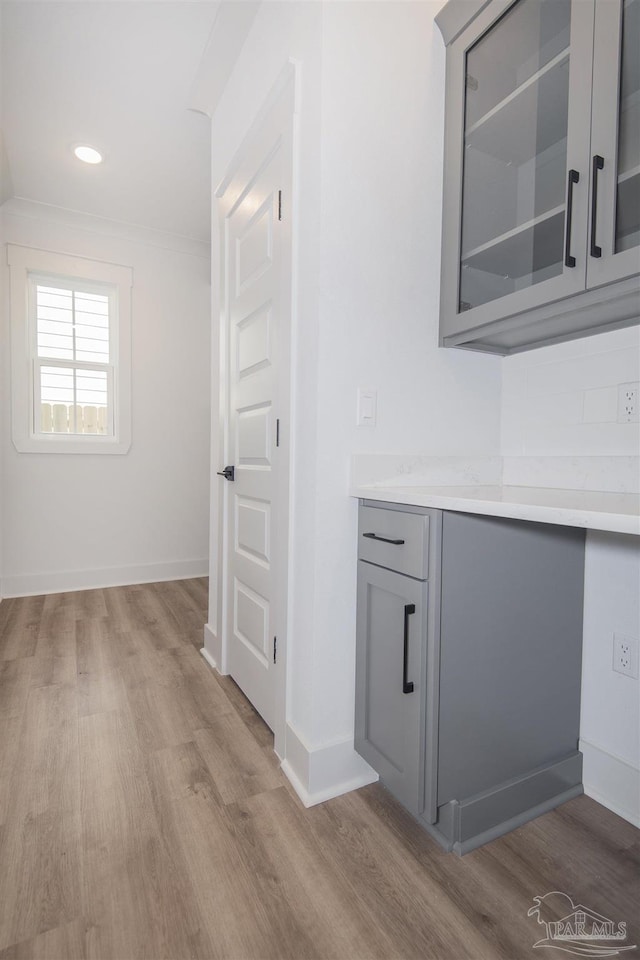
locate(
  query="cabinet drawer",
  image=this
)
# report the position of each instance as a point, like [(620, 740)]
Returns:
[(395, 540)]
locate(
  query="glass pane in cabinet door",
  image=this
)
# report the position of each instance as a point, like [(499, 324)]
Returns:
[(515, 152), (628, 192)]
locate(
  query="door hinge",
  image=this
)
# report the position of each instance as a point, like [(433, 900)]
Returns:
[(277, 433), (279, 204), (275, 648)]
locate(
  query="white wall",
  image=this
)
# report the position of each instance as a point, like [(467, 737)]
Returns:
[(74, 521), (562, 401), (370, 181), (6, 188), (382, 130)]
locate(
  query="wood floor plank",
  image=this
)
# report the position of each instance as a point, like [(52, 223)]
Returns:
[(10, 750), (204, 700), (244, 710), (171, 695), (66, 942), (129, 897), (20, 620), (147, 612), (47, 776), (396, 884), (203, 842), (100, 683), (178, 772), (143, 814), (53, 670), (239, 766), (299, 887), (41, 857), (15, 681), (476, 898), (183, 600), (89, 605), (39, 847), (57, 630), (605, 876)]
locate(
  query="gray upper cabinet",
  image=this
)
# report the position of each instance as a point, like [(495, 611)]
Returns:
[(541, 225)]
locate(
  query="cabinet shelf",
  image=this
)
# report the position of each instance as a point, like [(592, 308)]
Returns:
[(526, 249), (632, 174), (507, 131)]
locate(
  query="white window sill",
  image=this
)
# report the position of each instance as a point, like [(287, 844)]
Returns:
[(62, 444)]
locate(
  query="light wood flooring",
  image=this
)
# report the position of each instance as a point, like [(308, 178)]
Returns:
[(143, 815)]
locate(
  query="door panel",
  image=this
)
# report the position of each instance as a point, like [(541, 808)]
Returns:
[(257, 251)]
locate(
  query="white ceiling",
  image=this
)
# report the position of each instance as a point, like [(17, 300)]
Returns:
[(116, 74)]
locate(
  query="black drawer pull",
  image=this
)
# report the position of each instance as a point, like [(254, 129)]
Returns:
[(375, 536), (407, 685), (598, 164), (574, 177)]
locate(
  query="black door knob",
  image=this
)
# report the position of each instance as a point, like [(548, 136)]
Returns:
[(229, 473)]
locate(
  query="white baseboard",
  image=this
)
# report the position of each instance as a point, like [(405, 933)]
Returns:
[(321, 773), (611, 781), (212, 650), (207, 656), (34, 585)]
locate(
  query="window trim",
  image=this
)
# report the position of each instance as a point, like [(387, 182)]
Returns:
[(27, 262)]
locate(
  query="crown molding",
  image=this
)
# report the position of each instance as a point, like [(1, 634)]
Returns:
[(118, 229)]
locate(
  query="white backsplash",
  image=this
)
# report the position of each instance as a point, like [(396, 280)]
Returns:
[(601, 473), (562, 400), (610, 474), (424, 471)]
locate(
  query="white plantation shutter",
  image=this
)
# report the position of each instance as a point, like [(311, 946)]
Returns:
[(70, 353), (72, 334)]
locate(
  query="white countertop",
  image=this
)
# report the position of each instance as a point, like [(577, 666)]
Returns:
[(595, 510)]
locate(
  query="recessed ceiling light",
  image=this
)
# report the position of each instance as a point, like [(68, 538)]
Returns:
[(88, 154)]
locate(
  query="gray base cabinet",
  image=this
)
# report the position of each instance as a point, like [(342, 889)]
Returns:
[(468, 666)]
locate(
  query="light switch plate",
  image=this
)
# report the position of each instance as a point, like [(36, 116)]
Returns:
[(367, 407)]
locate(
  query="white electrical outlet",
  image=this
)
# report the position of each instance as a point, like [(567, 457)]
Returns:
[(628, 402), (625, 655)]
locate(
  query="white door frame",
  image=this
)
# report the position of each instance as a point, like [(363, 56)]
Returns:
[(285, 92)]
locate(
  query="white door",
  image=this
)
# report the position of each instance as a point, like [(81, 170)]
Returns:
[(257, 252)]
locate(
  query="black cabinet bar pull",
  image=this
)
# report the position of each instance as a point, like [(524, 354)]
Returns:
[(574, 177), (407, 685), (374, 536), (598, 164)]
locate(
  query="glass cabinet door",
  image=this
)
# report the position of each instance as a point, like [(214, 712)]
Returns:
[(520, 236), (614, 248), (627, 226), (515, 152)]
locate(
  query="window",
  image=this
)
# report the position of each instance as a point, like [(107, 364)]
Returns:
[(70, 353)]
